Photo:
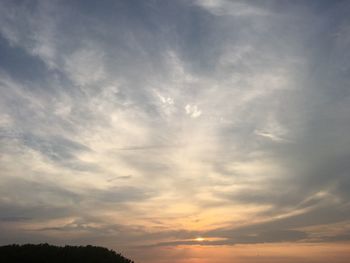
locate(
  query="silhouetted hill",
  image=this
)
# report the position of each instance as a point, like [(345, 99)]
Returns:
[(45, 253)]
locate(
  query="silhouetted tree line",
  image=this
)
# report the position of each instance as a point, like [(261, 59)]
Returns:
[(45, 253)]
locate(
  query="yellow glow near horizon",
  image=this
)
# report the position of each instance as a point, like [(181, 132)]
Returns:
[(200, 239)]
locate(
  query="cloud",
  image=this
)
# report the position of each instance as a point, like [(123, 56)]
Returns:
[(175, 119), (234, 8), (193, 111), (85, 66), (263, 237)]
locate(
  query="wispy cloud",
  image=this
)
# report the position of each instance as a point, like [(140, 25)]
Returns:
[(152, 123)]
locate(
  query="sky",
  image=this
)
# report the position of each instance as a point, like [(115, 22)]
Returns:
[(194, 131)]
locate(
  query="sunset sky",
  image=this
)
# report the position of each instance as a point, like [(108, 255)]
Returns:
[(177, 131)]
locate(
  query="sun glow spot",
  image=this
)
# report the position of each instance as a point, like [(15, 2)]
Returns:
[(199, 239)]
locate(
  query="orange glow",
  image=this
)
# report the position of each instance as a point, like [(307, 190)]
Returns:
[(281, 253)]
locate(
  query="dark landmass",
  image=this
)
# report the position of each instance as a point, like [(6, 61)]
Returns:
[(45, 253)]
